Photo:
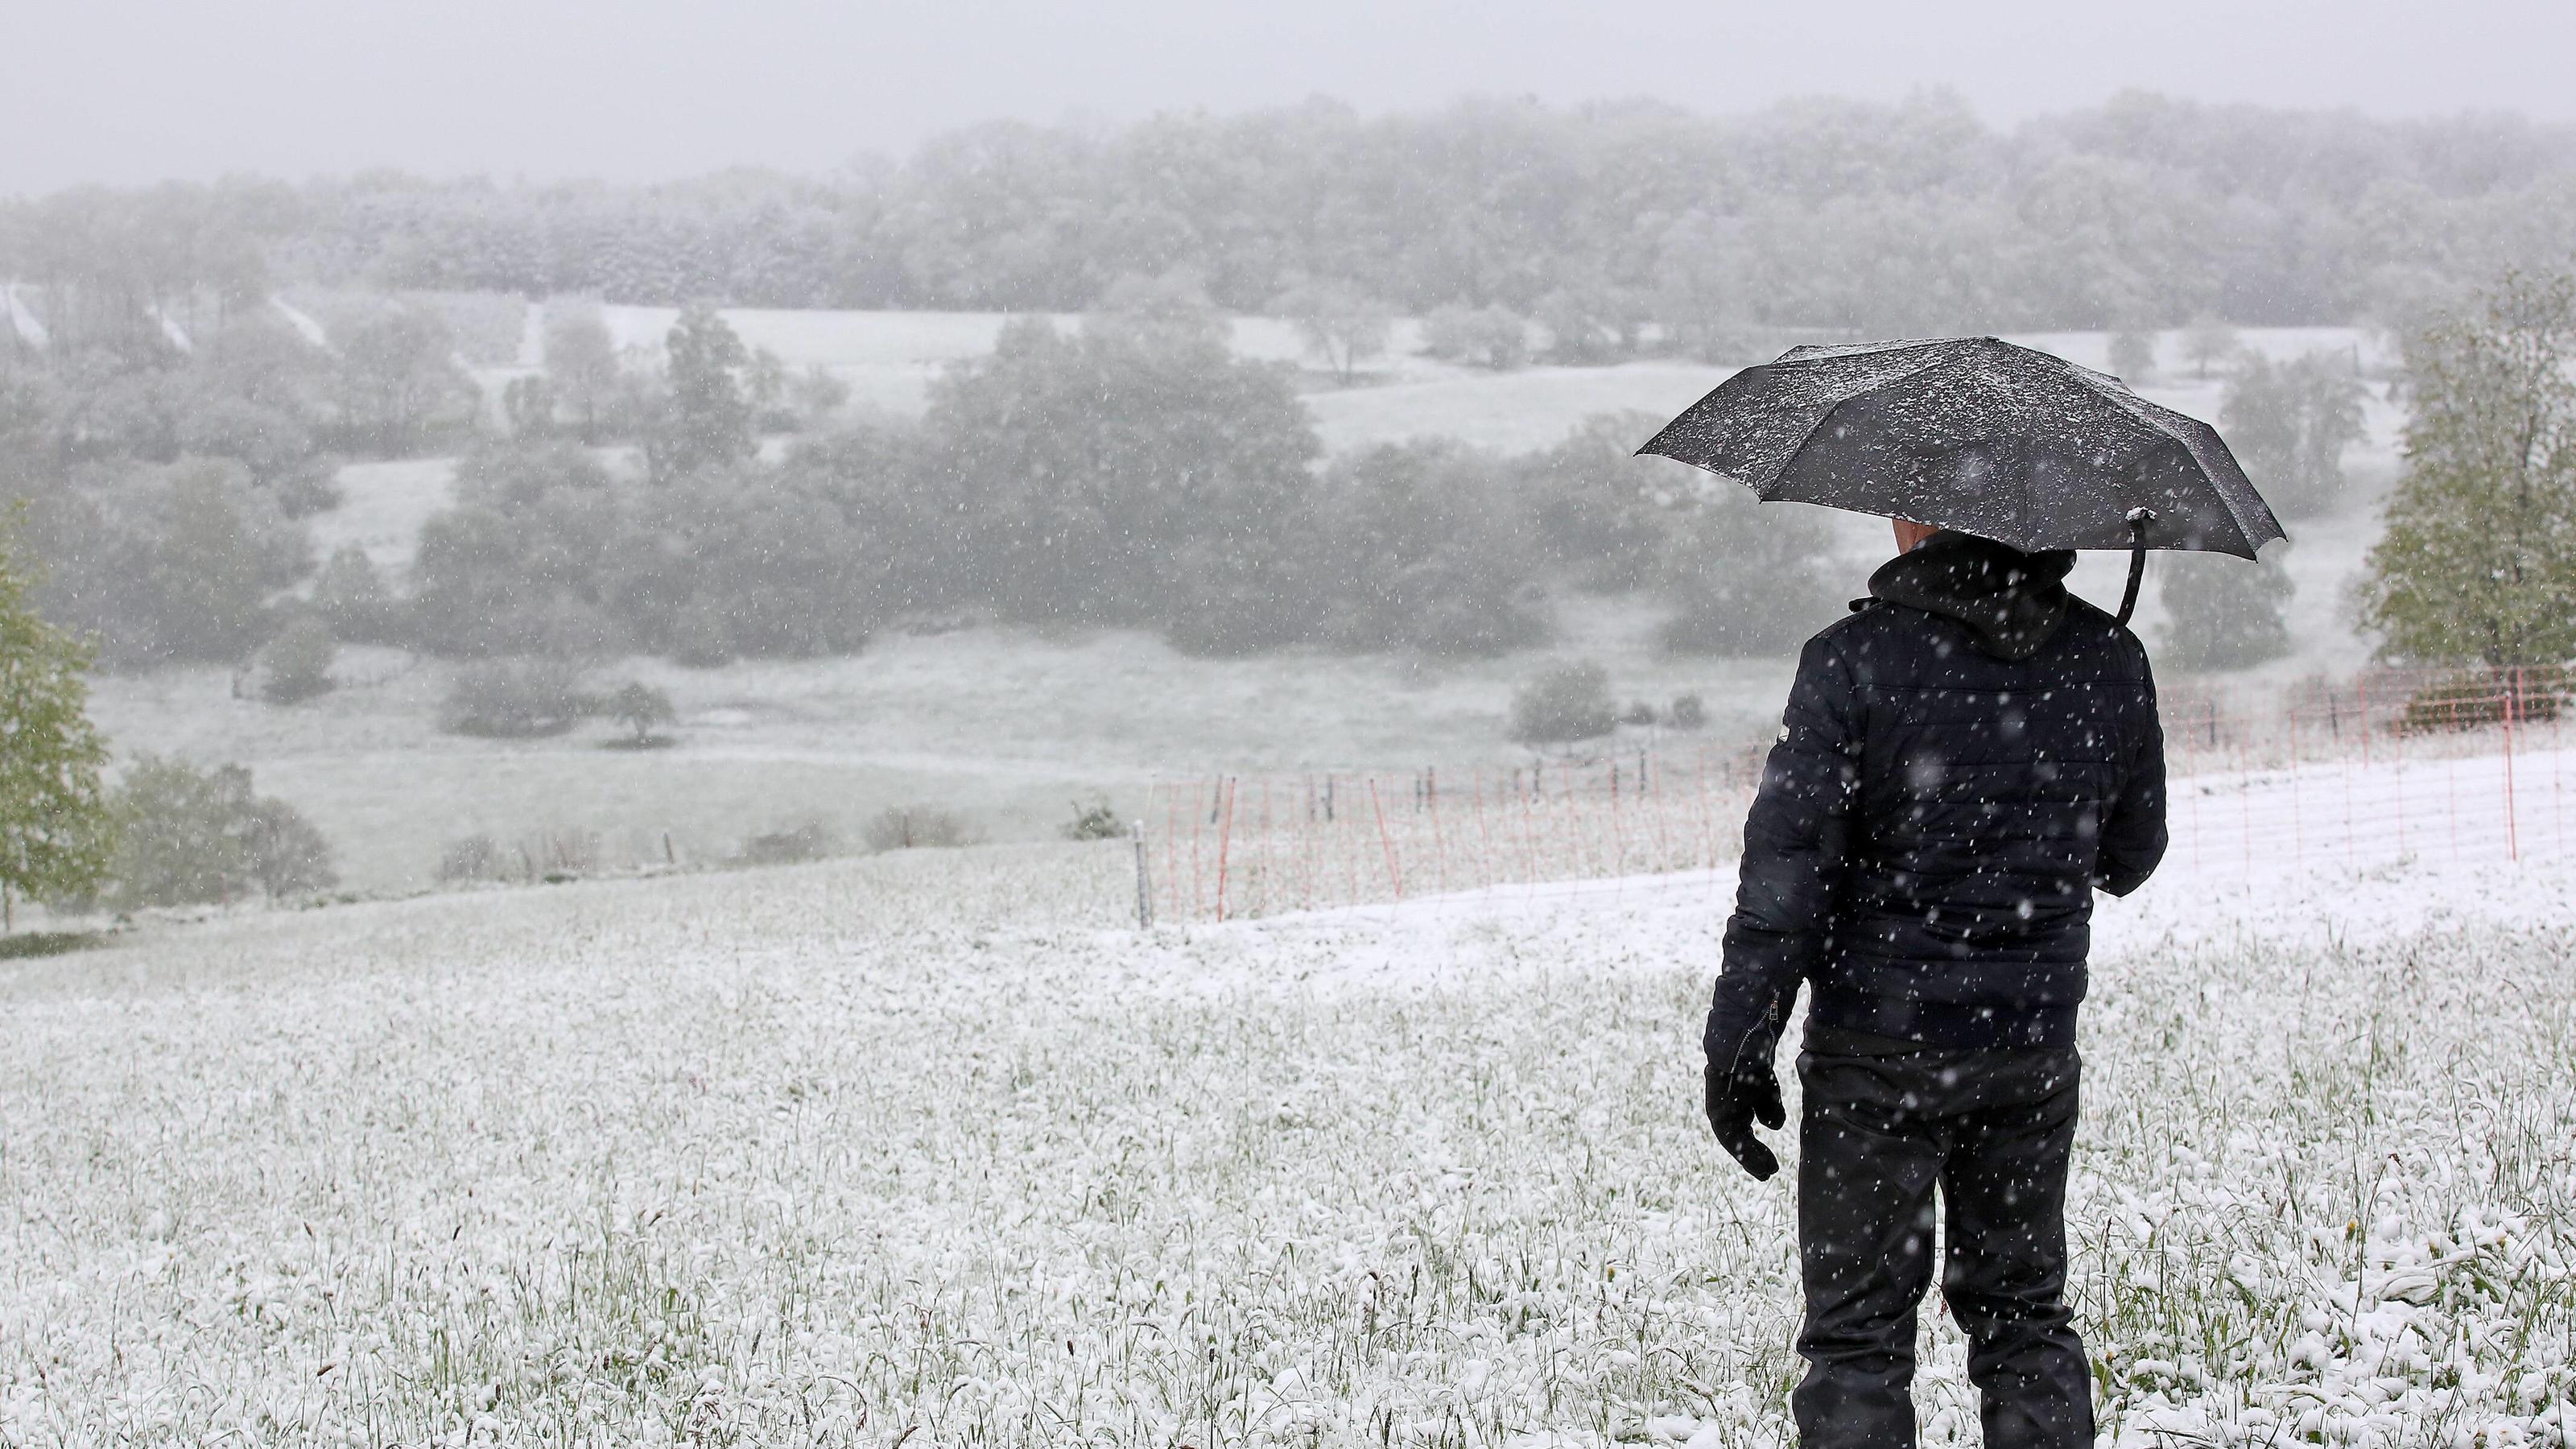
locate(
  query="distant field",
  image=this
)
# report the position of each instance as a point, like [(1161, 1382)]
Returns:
[(1004, 725), (1010, 726)]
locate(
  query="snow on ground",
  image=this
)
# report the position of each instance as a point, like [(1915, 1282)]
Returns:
[(931, 1149), (382, 507), (945, 720)]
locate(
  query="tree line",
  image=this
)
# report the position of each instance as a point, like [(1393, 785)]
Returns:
[(1619, 223), (1126, 472)]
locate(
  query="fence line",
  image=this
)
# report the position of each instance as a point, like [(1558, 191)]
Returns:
[(2386, 767)]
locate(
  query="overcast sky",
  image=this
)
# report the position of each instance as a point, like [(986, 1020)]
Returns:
[(124, 92)]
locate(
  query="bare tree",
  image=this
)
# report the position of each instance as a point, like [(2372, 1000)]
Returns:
[(2209, 340), (1338, 322)]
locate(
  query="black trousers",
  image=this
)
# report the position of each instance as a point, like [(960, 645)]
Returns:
[(1991, 1130)]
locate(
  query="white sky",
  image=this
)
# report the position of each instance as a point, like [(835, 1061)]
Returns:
[(126, 92)]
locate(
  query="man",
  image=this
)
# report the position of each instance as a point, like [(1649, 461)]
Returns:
[(1963, 760)]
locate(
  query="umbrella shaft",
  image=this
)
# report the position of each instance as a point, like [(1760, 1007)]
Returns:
[(2137, 575)]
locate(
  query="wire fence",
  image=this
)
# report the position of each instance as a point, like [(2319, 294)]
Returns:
[(2388, 766)]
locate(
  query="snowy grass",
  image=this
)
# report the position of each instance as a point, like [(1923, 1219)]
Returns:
[(1007, 726), (925, 1149)]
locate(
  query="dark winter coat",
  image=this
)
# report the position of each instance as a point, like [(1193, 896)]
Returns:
[(1962, 761)]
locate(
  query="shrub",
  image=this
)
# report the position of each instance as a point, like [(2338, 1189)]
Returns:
[(288, 855), (1564, 703), (517, 698), (1640, 714), (793, 845), (296, 665), (308, 488), (917, 827), (1095, 821), (194, 835), (1689, 712), (351, 598)]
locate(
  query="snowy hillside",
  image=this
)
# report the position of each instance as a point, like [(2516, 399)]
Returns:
[(928, 1149)]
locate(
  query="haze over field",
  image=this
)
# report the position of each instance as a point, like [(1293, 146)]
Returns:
[(809, 85)]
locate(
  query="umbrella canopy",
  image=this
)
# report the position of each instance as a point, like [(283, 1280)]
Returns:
[(1975, 434)]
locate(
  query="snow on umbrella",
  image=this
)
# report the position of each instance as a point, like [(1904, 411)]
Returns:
[(1976, 434)]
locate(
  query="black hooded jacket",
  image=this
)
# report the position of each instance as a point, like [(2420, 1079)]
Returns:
[(1962, 761)]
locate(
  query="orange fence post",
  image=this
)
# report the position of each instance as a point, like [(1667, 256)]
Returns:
[(1394, 876), (2512, 706), (1224, 839)]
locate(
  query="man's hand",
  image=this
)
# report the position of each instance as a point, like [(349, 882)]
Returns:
[(1736, 1100)]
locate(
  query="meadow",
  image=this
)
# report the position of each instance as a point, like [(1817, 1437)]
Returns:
[(1011, 726), (931, 1149)]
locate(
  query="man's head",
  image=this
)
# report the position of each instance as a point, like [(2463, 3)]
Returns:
[(1910, 533)]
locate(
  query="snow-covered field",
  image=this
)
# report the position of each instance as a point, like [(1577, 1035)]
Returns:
[(1004, 725), (930, 1149)]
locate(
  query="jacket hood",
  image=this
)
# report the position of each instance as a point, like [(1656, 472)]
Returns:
[(2012, 601)]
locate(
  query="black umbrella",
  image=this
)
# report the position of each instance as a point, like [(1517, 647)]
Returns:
[(1976, 434)]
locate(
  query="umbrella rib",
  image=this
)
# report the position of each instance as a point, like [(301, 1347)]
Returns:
[(1837, 405)]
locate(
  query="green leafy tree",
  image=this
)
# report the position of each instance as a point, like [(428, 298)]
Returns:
[(210, 567), (529, 405), (1494, 337), (2478, 562), (57, 831), (350, 596), (1744, 585), (296, 665), (765, 382), (399, 380), (1591, 324), (1125, 474), (1418, 553), (2133, 355), (581, 362), (2290, 423), (816, 395), (2208, 341), (1592, 502), (641, 708), (192, 835), (706, 420), (2224, 613)]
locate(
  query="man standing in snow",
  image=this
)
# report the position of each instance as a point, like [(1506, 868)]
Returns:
[(1963, 761)]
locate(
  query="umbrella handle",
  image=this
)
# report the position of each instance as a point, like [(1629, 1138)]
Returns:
[(2139, 518)]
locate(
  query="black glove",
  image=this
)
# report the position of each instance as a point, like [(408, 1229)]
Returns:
[(1737, 1098)]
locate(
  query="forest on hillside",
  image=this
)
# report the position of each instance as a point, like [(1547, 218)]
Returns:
[(1623, 219)]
